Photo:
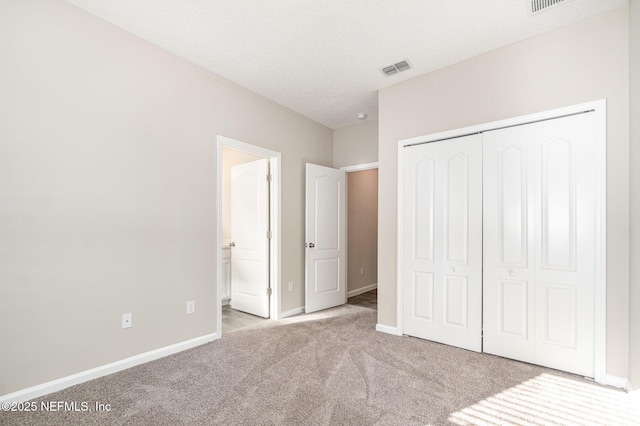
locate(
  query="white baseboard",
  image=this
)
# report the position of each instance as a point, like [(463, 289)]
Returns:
[(362, 290), (614, 381), (104, 370), (292, 312), (389, 330)]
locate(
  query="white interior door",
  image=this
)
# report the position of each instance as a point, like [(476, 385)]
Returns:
[(442, 242), (325, 256), (250, 246), (539, 243)]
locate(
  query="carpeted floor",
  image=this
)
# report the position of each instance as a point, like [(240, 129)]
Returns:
[(333, 368)]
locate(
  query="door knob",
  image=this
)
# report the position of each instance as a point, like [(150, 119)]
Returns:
[(232, 244), (512, 273), (454, 269), (311, 245)]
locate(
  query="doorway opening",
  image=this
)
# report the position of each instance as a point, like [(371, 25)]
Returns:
[(248, 252), (362, 235)]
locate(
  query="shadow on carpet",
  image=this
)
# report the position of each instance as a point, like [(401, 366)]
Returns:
[(333, 368)]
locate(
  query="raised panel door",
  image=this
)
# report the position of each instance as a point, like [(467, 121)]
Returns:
[(249, 227), (565, 243), (325, 210), (539, 243), (442, 234)]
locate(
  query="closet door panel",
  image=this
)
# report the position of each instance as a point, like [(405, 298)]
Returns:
[(558, 200), (420, 267), (456, 301), (512, 206), (539, 243), (424, 193), (559, 316), (514, 308), (508, 288), (442, 234), (423, 297), (461, 273), (457, 208), (564, 270)]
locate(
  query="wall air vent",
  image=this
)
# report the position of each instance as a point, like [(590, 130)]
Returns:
[(396, 68), (537, 6)]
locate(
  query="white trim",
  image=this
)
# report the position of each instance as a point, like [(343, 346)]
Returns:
[(509, 122), (600, 111), (104, 370), (399, 239), (614, 381), (360, 167), (362, 290), (347, 170), (600, 304), (292, 312), (276, 226), (275, 249), (388, 330)]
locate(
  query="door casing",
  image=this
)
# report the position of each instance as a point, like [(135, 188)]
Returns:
[(347, 170), (599, 108)]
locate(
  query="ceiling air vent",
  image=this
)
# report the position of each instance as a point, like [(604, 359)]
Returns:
[(396, 68), (537, 6)]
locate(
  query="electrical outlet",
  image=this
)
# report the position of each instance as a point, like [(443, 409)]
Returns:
[(362, 271), (290, 285), (127, 320), (191, 307)]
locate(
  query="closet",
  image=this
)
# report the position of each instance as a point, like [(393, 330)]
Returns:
[(499, 238)]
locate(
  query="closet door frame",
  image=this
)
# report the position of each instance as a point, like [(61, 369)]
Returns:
[(599, 109)]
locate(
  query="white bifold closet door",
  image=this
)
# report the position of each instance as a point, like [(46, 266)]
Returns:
[(539, 243), (442, 242)]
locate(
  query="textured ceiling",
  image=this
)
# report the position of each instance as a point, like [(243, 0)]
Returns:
[(322, 58)]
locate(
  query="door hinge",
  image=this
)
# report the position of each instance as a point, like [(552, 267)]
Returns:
[(269, 178), (269, 291), (269, 234)]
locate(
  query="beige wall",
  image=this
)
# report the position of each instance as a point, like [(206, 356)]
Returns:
[(107, 190), (230, 157), (634, 284), (356, 144), (582, 62), (362, 229)]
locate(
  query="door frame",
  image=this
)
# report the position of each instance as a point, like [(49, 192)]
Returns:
[(599, 108), (275, 222), (347, 170)]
